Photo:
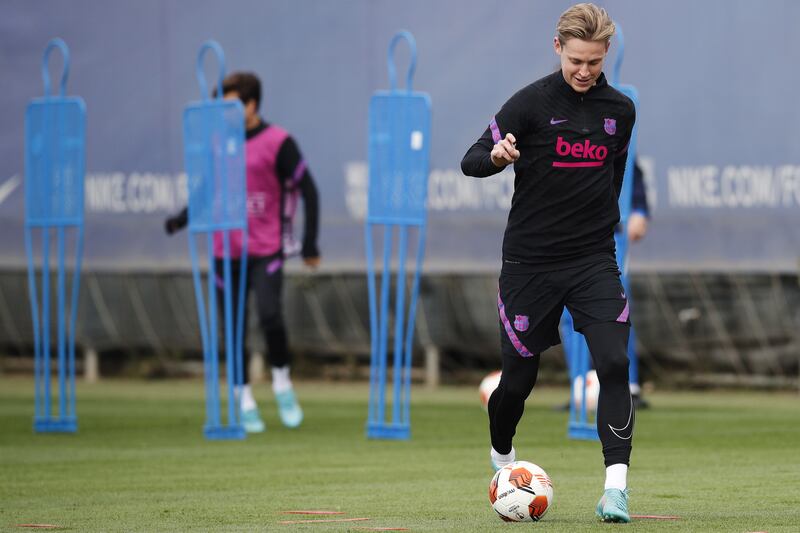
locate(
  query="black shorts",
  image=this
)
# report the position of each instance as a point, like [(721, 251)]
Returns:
[(530, 304)]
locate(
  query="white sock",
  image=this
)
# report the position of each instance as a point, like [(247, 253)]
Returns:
[(617, 476), (502, 460), (246, 398), (281, 382)]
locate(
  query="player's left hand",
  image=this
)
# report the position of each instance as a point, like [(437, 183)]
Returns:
[(637, 226)]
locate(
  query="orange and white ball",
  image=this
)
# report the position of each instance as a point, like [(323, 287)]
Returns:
[(521, 492)]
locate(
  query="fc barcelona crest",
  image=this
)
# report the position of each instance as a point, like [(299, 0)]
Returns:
[(610, 125), (521, 322)]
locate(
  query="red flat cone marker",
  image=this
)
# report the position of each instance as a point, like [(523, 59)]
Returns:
[(655, 517), (288, 522)]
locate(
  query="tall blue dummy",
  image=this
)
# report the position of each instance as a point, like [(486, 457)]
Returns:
[(214, 151), (399, 150), (55, 155), (581, 424)]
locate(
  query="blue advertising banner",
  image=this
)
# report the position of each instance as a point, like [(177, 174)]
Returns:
[(716, 122)]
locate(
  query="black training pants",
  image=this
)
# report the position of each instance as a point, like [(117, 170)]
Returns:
[(265, 278), (608, 343)]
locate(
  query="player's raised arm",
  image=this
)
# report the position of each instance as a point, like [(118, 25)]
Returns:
[(487, 157), (497, 147), (477, 162)]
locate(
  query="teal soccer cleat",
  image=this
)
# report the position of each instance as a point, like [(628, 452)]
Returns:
[(289, 410), (251, 421), (613, 506), (497, 463)]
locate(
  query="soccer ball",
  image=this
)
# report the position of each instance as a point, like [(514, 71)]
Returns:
[(592, 391), (487, 387), (521, 492)]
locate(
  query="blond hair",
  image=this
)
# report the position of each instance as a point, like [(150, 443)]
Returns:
[(586, 22)]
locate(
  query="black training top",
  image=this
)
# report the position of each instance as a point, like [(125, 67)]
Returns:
[(568, 177)]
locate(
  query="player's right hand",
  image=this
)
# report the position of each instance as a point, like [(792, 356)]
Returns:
[(171, 225), (177, 222), (505, 152)]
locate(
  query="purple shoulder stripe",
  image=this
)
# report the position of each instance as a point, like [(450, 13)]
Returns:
[(299, 170), (290, 200), (495, 131)]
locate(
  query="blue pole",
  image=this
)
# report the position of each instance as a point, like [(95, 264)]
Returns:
[(373, 324), (62, 364), (46, 318), (230, 357), (384, 322), (212, 326), (46, 375), (398, 324), (412, 316), (37, 347)]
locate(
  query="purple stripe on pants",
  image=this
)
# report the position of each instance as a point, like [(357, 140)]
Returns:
[(512, 336), (623, 316), (495, 131), (274, 266)]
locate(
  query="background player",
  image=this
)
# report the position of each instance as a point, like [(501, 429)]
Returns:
[(276, 173), (638, 222)]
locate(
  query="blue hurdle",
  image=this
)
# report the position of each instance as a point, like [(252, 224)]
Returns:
[(580, 425), (399, 150), (214, 149), (55, 155)]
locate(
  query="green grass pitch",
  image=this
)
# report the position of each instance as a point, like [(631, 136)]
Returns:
[(719, 461)]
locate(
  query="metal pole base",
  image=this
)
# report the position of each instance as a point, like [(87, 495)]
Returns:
[(377, 430), (224, 432), (582, 431), (67, 424)]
